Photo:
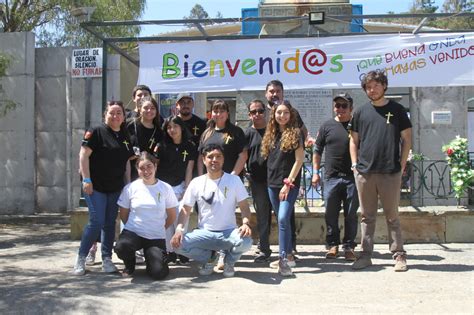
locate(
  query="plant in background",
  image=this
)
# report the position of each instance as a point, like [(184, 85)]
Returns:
[(458, 159)]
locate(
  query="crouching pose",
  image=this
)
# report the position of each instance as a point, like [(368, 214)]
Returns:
[(217, 193), (147, 208)]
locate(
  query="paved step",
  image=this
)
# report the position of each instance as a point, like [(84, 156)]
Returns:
[(436, 224)]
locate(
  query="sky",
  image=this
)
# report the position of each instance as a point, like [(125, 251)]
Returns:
[(177, 9)]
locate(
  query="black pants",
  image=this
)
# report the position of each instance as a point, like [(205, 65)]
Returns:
[(154, 250)]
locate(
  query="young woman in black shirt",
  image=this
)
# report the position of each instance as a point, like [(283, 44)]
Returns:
[(283, 147), (104, 164)]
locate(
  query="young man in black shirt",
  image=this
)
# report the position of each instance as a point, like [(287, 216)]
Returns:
[(379, 146), (195, 125), (138, 92), (257, 170), (339, 185)]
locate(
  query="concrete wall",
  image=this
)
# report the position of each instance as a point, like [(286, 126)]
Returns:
[(17, 134), (64, 107)]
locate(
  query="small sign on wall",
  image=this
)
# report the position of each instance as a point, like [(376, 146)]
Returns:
[(441, 117), (86, 63)]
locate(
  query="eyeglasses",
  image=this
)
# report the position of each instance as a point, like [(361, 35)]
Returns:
[(260, 111), (341, 105)]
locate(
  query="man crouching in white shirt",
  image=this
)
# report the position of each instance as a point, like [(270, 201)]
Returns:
[(217, 193)]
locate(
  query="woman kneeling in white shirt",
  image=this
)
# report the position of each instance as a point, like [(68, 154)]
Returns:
[(147, 208)]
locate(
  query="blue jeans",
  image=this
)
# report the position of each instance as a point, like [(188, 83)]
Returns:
[(103, 211), (200, 243), (283, 210), (339, 190)]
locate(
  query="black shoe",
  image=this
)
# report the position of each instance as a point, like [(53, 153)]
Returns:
[(262, 258), (183, 259), (170, 258)]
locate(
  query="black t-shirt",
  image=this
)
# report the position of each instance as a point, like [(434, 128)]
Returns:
[(279, 165), (232, 139), (110, 153), (379, 130), (174, 159), (333, 138), (256, 164), (196, 127), (144, 138)]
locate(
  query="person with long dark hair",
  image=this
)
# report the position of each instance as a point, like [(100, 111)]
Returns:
[(177, 155), (283, 147), (104, 164)]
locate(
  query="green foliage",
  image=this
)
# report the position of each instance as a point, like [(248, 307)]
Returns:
[(458, 159), (5, 61), (449, 6), (54, 24)]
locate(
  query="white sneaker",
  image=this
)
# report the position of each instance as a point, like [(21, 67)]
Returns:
[(80, 266), (276, 263), (220, 262), (229, 270), (108, 266), (206, 269), (90, 259), (283, 268), (139, 257)]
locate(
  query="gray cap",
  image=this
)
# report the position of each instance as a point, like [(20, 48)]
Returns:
[(184, 95), (344, 96)]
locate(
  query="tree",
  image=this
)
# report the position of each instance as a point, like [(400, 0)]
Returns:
[(54, 24), (197, 12)]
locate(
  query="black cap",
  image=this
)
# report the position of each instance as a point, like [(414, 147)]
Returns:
[(344, 96)]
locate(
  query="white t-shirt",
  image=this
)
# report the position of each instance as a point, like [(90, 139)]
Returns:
[(228, 191), (147, 204)]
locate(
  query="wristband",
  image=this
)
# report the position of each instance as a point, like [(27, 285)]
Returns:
[(87, 180), (179, 229), (287, 182), (353, 166), (315, 171)]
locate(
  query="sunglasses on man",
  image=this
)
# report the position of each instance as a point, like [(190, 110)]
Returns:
[(341, 105), (255, 111)]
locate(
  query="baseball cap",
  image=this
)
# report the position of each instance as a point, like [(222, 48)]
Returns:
[(184, 95), (344, 96)]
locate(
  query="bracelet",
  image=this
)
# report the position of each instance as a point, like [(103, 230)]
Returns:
[(353, 166), (287, 182), (315, 171), (179, 229), (87, 180)]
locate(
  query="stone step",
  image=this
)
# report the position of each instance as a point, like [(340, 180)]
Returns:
[(436, 224)]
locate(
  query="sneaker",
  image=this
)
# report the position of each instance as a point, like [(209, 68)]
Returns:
[(220, 262), (349, 255), (206, 269), (108, 266), (276, 263), (362, 262), (283, 268), (400, 263), (332, 252), (183, 259), (80, 266), (291, 260), (261, 258), (139, 257), (90, 259), (229, 270), (170, 257)]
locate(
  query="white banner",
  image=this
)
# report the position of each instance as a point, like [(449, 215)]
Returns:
[(333, 62)]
